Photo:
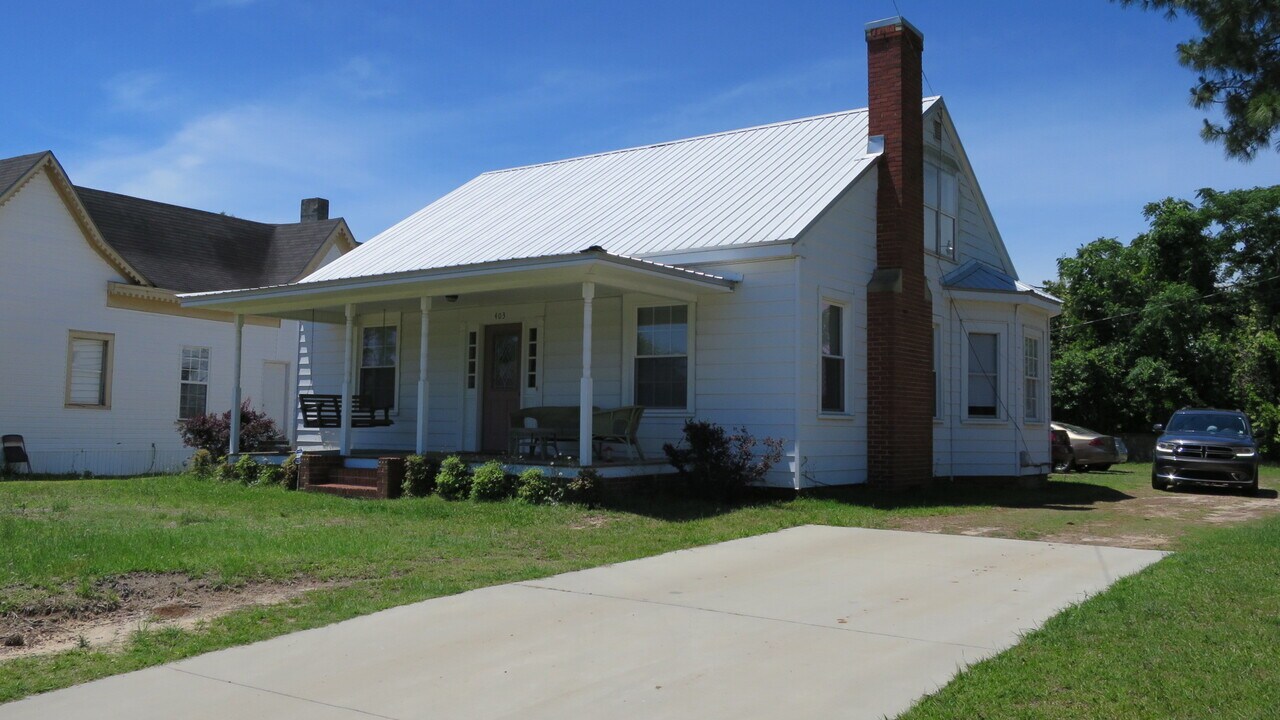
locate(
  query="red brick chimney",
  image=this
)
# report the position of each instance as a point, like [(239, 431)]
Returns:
[(899, 312)]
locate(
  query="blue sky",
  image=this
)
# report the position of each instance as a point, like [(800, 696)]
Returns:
[(1074, 114)]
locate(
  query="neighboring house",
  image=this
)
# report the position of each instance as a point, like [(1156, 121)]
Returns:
[(98, 361), (837, 282)]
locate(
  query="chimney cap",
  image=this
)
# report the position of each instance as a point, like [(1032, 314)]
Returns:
[(895, 21)]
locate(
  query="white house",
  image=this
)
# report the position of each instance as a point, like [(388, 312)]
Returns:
[(837, 282), (98, 361)]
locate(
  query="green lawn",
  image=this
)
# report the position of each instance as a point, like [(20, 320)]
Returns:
[(74, 534)]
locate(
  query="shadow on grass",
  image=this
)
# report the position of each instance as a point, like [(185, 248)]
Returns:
[(1262, 494), (1069, 496)]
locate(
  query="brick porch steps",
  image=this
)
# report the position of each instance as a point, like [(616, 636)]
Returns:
[(346, 490)]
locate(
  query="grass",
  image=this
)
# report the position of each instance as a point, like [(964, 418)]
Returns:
[(57, 535)]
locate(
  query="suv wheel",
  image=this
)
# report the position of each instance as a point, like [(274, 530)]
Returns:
[(1252, 488), (1158, 484)]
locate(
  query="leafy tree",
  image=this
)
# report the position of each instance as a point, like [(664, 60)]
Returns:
[(1186, 314), (1238, 61)]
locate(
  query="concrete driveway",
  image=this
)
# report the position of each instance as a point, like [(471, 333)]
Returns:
[(811, 622)]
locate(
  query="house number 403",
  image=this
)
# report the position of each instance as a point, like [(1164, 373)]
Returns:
[(499, 316)]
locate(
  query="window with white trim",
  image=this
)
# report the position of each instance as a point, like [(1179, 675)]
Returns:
[(193, 385), (941, 209), (89, 361), (937, 375), (531, 379), (984, 375), (472, 353), (1031, 381), (662, 357), (832, 357), (379, 350)]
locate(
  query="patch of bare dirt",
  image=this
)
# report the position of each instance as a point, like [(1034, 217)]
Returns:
[(590, 522), (105, 613)]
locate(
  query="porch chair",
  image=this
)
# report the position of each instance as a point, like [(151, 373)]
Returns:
[(618, 425), (15, 452)]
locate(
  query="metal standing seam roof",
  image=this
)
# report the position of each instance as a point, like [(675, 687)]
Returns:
[(759, 184), (977, 275)]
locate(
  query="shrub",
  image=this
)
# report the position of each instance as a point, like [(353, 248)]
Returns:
[(535, 488), (271, 475), (289, 471), (246, 470), (490, 482), (223, 471), (453, 482), (212, 431), (716, 465), (419, 476), (583, 489), (201, 463)]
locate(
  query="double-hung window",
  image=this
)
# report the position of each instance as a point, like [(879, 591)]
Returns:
[(378, 360), (984, 375), (1031, 377), (89, 360), (832, 352), (662, 357), (941, 209), (193, 388)]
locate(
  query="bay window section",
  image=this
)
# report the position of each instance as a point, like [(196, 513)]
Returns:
[(1031, 377), (984, 375), (832, 358)]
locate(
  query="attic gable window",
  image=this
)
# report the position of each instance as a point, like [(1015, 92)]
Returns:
[(941, 209)]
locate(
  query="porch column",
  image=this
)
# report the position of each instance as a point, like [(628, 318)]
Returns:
[(234, 447), (344, 432), (425, 305), (585, 391)]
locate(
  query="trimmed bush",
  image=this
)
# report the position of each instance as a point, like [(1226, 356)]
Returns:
[(535, 488), (246, 470), (490, 482), (716, 465), (202, 463), (212, 431), (419, 476), (453, 482), (271, 475), (289, 468), (223, 471)]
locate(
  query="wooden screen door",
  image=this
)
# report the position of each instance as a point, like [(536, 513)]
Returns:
[(500, 394)]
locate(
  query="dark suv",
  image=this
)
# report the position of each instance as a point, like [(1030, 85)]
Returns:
[(1206, 447)]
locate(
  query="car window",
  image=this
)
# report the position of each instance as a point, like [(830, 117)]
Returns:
[(1226, 424)]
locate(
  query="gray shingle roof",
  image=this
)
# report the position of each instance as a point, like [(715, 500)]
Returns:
[(188, 250), (11, 169)]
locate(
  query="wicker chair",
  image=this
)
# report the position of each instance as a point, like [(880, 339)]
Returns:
[(618, 425)]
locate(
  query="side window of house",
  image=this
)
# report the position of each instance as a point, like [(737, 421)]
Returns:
[(937, 378), (662, 356), (941, 209), (1031, 377), (984, 375), (89, 363), (832, 357), (378, 365), (193, 389)]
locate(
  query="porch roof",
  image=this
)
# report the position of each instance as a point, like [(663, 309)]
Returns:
[(548, 276)]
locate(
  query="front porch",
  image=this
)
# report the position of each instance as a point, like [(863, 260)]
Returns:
[(379, 474)]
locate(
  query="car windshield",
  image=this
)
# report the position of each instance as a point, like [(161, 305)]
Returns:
[(1227, 424)]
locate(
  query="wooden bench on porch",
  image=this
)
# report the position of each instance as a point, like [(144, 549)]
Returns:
[(325, 411)]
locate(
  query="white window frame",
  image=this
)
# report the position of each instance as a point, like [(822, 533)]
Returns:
[(108, 367), (631, 305), (1039, 377), (1001, 331), (845, 304), (935, 205), (534, 355), (376, 320), (182, 383)]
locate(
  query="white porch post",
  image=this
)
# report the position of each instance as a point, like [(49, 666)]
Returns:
[(344, 432), (425, 306), (234, 447), (585, 391)]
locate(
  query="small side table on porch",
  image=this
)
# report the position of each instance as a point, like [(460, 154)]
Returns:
[(541, 442)]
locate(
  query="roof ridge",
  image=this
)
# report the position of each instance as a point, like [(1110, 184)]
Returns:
[(678, 141), (210, 213)]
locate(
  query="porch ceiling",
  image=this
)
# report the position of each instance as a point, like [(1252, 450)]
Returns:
[(555, 277)]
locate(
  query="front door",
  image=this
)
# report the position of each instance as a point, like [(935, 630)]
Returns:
[(500, 393)]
